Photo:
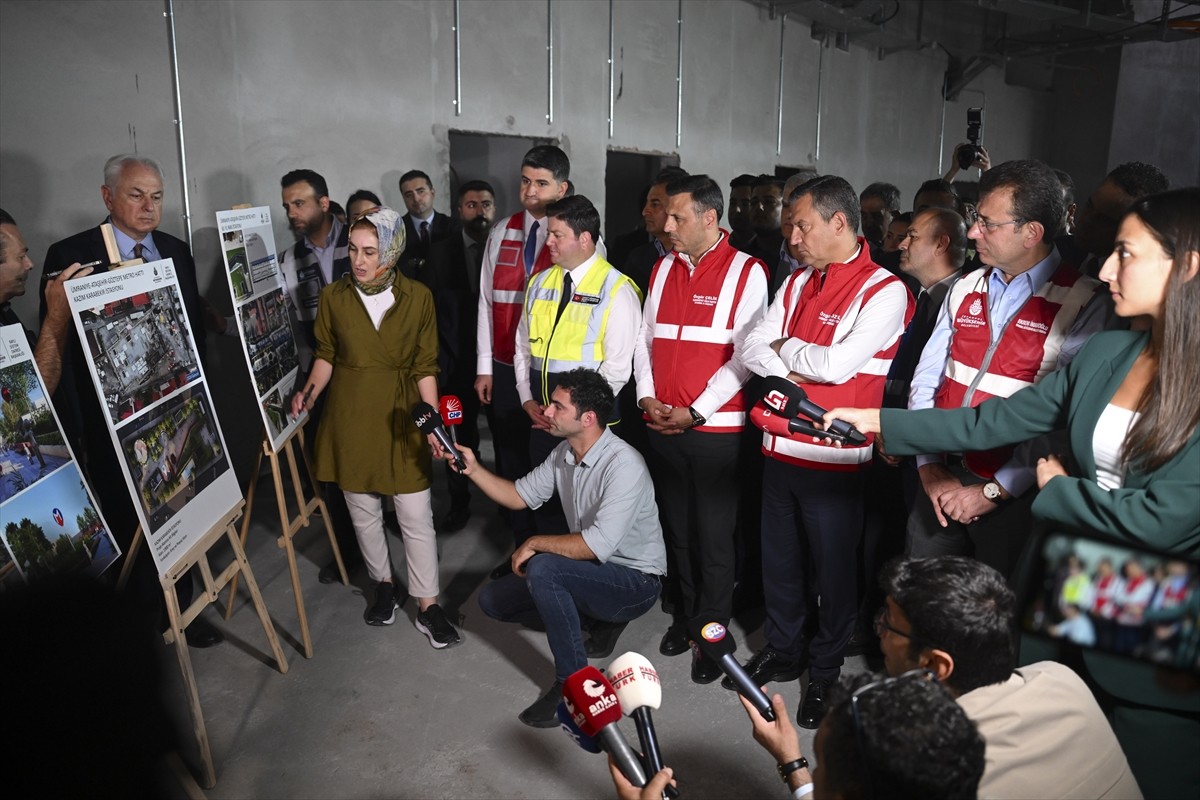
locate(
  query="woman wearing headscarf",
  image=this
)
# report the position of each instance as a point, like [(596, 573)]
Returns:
[(377, 355)]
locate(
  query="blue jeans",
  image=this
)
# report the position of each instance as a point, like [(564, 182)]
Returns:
[(557, 590)]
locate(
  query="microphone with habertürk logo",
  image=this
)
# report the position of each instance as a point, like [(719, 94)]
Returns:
[(638, 689)]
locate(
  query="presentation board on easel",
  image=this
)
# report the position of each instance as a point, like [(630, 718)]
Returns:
[(261, 308), (51, 525), (146, 369)]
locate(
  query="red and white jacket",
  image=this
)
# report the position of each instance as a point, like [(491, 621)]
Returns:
[(502, 290), (692, 323), (846, 325), (978, 369), (1106, 590)]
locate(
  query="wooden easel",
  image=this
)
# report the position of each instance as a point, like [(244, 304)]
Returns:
[(180, 619), (289, 525)]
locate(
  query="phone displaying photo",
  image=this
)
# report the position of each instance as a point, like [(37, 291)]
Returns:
[(1117, 599)]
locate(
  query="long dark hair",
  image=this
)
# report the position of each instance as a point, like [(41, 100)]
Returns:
[(1169, 409)]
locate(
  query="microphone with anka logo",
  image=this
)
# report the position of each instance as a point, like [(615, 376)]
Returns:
[(596, 710), (428, 421), (567, 723), (715, 641)]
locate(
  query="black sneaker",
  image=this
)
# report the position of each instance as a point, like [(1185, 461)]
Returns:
[(543, 713), (766, 666), (433, 623), (602, 639), (383, 610)]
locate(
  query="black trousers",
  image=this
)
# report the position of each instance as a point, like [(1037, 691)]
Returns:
[(510, 436), (467, 435), (696, 485), (812, 521)]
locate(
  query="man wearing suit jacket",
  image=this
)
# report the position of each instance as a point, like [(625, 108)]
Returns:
[(1045, 735), (452, 274), (422, 225), (133, 195)]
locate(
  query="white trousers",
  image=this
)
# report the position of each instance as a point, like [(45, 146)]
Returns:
[(414, 512)]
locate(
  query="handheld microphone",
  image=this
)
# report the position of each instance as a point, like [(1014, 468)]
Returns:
[(428, 422), (452, 414), (715, 641), (639, 690), (567, 723), (596, 710), (788, 400)]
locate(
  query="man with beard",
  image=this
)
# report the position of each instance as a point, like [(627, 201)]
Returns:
[(641, 260), (422, 224), (320, 254), (741, 234), (452, 274), (877, 204)]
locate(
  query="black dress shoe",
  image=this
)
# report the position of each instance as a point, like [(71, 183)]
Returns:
[(603, 638), (502, 569), (704, 669), (544, 711), (201, 633), (456, 519), (766, 666), (812, 710), (675, 640)]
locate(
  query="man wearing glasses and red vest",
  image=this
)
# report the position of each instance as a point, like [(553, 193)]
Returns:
[(1000, 329), (515, 251), (704, 297), (833, 329)]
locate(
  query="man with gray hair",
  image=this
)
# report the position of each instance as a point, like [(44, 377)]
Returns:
[(133, 194)]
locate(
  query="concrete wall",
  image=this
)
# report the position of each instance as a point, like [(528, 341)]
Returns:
[(362, 91)]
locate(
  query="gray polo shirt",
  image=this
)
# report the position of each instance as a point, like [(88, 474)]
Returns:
[(607, 497)]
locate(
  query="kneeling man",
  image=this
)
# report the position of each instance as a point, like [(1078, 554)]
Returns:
[(607, 569)]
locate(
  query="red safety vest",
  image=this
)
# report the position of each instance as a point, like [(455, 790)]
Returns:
[(823, 310), (693, 328), (508, 286), (1027, 350)]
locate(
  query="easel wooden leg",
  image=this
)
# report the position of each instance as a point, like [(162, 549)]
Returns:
[(259, 605), (208, 777), (289, 527), (319, 503), (250, 491), (127, 567)]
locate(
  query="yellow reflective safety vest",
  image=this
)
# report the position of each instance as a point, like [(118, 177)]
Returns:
[(577, 338)]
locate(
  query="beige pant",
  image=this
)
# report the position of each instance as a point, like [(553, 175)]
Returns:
[(414, 512)]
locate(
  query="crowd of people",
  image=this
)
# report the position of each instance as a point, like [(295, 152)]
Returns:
[(1012, 363)]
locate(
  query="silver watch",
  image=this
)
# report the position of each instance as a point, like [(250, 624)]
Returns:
[(992, 491)]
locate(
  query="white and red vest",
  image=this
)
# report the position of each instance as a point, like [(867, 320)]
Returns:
[(693, 328), (978, 369), (508, 286), (822, 310), (1106, 589)]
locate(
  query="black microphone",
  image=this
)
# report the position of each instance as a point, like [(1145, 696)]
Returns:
[(715, 641), (788, 400), (429, 421)]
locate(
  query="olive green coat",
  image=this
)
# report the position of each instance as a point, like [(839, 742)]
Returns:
[(367, 441)]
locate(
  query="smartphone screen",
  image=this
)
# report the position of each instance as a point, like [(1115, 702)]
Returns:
[(1117, 599)]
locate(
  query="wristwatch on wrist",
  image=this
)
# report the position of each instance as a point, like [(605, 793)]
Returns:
[(785, 770), (993, 492), (697, 420)]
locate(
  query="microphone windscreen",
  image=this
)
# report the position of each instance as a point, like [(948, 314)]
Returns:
[(452, 410), (782, 396), (567, 723), (591, 700), (713, 638), (426, 419), (635, 681)]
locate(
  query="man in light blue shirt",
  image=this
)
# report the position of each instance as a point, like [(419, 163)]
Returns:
[(608, 566), (967, 512)]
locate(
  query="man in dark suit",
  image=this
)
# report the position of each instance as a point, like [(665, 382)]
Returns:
[(422, 225), (133, 195), (451, 272)]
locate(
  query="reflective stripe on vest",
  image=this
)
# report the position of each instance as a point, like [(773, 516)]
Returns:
[(978, 368), (696, 338), (577, 338), (508, 286)]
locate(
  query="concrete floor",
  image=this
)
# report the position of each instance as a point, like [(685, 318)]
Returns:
[(378, 713)]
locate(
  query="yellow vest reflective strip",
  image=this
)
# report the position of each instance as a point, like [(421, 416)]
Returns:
[(577, 339)]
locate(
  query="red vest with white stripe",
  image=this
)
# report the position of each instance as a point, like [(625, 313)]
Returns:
[(1027, 350), (822, 310), (508, 286), (693, 328), (1105, 605)]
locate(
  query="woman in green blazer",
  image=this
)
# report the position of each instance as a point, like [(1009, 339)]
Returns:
[(1151, 492)]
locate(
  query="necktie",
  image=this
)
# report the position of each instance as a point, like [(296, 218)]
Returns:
[(425, 233), (567, 291), (905, 360), (474, 261), (138, 250), (531, 248)]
